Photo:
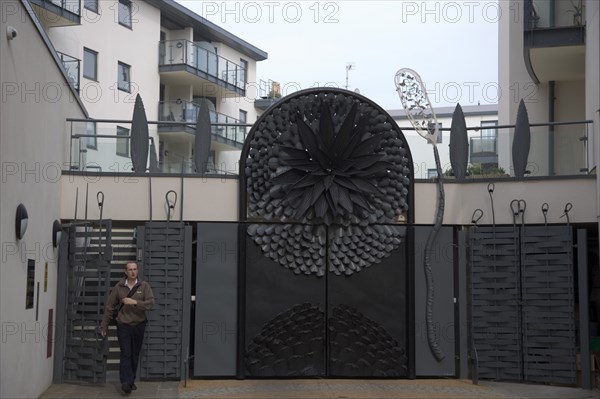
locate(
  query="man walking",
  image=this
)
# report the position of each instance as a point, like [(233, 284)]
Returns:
[(131, 299)]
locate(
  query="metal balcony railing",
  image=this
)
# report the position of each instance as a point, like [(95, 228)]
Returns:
[(186, 111), (72, 66), (205, 63), (541, 14)]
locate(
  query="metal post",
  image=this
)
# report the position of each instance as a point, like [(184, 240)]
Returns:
[(462, 336), (584, 311)]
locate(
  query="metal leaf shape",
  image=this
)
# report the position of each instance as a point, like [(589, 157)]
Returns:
[(139, 137), (203, 138), (459, 143), (521, 141)]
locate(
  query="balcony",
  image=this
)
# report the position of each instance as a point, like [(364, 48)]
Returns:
[(182, 62), (554, 37), (269, 92), (58, 12), (71, 66), (483, 150), (224, 129)]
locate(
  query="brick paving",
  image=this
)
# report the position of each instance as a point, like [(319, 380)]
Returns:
[(321, 389)]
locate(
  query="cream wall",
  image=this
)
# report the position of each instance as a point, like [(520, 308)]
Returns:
[(32, 129), (463, 199), (127, 198)]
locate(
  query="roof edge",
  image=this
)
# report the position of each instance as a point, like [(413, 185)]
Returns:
[(216, 31)]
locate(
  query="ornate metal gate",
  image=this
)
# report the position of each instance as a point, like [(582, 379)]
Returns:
[(326, 192)]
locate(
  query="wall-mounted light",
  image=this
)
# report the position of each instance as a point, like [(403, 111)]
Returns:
[(11, 32), (21, 220), (56, 233)]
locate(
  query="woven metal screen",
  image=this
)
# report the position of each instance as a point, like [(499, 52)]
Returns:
[(87, 283), (523, 321), (548, 305), (166, 266)]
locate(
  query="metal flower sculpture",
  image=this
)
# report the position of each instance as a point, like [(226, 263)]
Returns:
[(331, 170), (331, 175), (416, 103)]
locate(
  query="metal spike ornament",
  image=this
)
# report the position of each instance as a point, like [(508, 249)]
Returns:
[(419, 111)]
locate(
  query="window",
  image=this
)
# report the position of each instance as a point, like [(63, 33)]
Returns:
[(243, 116), (432, 173), (243, 78), (124, 78), (90, 130), (125, 13), (91, 5), (241, 130), (90, 64), (488, 129), (123, 143)]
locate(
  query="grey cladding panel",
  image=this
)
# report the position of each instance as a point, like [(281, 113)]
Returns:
[(216, 300)]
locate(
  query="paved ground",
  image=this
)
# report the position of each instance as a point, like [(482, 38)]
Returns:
[(322, 389)]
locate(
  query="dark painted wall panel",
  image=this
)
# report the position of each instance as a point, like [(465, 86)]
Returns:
[(216, 300)]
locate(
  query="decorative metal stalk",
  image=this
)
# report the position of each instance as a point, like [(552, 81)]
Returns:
[(419, 111)]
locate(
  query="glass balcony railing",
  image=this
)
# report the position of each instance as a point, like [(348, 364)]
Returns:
[(71, 66), (186, 111), (203, 60), (104, 146), (556, 149), (73, 6), (543, 14)]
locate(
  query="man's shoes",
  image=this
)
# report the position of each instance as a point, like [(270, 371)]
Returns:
[(126, 388), (133, 387)]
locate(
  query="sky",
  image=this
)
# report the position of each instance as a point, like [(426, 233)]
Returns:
[(451, 44)]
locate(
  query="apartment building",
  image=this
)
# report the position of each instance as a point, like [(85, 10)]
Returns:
[(548, 54), (173, 58)]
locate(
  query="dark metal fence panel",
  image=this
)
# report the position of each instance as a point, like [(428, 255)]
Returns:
[(85, 350), (166, 267), (495, 302), (548, 305), (523, 310)]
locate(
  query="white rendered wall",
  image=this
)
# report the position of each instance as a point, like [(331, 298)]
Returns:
[(32, 131)]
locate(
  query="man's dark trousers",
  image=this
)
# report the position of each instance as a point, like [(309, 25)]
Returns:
[(130, 341)]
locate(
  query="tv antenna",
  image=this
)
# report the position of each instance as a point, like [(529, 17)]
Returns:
[(350, 66)]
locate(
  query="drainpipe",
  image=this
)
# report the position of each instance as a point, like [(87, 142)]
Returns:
[(551, 92)]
